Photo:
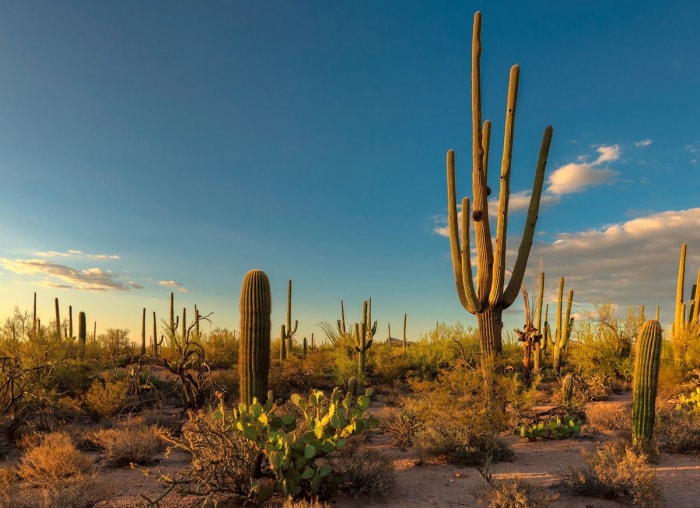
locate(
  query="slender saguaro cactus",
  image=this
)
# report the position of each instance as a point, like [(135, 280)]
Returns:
[(685, 324), (288, 331), (70, 321), (486, 297), (563, 331), (254, 343), (155, 335), (363, 338), (405, 345), (537, 355), (644, 383), (82, 334), (58, 320), (34, 327), (143, 332)]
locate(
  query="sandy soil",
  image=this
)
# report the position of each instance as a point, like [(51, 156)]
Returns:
[(424, 483)]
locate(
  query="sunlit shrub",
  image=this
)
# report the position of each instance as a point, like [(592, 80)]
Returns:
[(130, 444), (614, 471), (54, 458), (107, 397)]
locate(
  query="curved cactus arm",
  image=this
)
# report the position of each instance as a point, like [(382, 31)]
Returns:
[(499, 265), (461, 257), (694, 318), (511, 292)]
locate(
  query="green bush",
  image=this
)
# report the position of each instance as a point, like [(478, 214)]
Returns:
[(467, 433)]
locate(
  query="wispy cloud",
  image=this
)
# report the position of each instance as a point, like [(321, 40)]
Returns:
[(90, 279), (74, 254), (173, 284), (643, 142), (577, 176)]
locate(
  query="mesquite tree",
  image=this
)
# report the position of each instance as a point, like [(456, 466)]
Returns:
[(486, 297)]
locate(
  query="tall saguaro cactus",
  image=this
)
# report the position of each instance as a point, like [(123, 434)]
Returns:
[(486, 297), (82, 334), (644, 384), (287, 330), (686, 321), (563, 331), (254, 342)]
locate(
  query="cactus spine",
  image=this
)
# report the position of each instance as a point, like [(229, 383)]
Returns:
[(644, 384), (486, 297), (82, 334), (254, 342)]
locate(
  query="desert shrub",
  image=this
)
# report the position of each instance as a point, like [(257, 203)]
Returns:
[(614, 471), (54, 458), (390, 363), (466, 433), (442, 348), (107, 397), (131, 444), (305, 503), (367, 475), (226, 382), (512, 493), (290, 376), (221, 348), (400, 424), (678, 430), (610, 417)]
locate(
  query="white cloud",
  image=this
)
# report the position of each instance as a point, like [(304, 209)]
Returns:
[(74, 254), (643, 142), (573, 177), (169, 283), (629, 263), (607, 154), (90, 279), (577, 176)]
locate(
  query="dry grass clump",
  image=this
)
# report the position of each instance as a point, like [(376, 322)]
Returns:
[(55, 473), (614, 471), (513, 493), (133, 444), (54, 458), (400, 424), (609, 417)]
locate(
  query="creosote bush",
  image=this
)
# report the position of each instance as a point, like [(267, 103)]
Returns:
[(678, 430), (468, 433), (614, 471), (130, 444), (54, 458), (512, 493)]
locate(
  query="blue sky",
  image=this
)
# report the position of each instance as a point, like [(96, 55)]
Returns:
[(150, 147)]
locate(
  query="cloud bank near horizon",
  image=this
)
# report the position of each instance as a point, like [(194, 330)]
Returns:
[(62, 276)]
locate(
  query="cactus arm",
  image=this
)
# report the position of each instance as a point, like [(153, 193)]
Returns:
[(461, 257), (516, 279), (568, 321), (540, 299), (696, 300), (480, 215), (499, 265), (679, 317)]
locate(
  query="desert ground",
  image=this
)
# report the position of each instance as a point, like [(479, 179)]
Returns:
[(428, 482)]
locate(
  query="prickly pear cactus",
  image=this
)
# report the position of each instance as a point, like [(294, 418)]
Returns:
[(644, 384), (254, 343)]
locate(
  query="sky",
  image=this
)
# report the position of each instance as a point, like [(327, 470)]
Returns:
[(171, 146)]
